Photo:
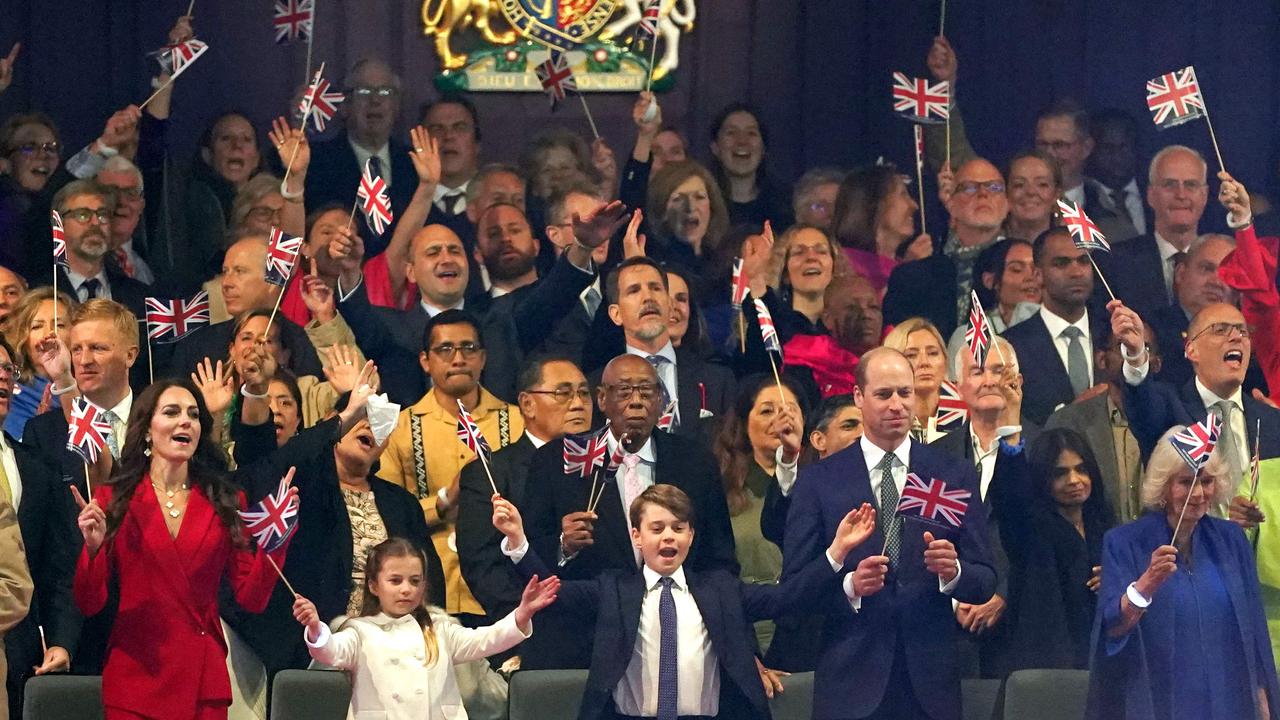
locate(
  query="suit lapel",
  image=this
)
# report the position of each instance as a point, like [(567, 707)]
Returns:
[(1098, 430), (1058, 374), (708, 606), (145, 511), (1192, 402), (631, 592), (197, 530), (690, 397)]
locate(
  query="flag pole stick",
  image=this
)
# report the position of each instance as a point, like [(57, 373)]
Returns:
[(1214, 139), (352, 218), (310, 36), (305, 115), (267, 332), (942, 19), (590, 119), (88, 484), (485, 464), (948, 160), (159, 90), (1194, 479), (151, 370), (742, 330), (1254, 473), (593, 497), (776, 377), (1105, 284), (653, 54), (44, 645), (920, 176), (55, 297), (281, 574), (190, 6)]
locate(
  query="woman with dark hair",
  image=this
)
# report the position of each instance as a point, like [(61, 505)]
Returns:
[(1054, 543), (738, 152), (687, 327), (874, 220), (1008, 287), (688, 222)]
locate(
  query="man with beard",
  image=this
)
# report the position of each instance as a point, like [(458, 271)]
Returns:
[(87, 211), (1058, 340), (506, 246)]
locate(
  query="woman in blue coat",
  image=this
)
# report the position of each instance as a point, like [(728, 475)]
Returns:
[(1180, 631)]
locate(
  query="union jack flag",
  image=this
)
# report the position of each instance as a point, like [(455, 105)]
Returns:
[(171, 320), (174, 59), (739, 290), (919, 100), (1174, 98), (768, 333), (1084, 232), (272, 519), (952, 411), (282, 253), (584, 453), (470, 435), (293, 19), (59, 239), (556, 77), (932, 502), (374, 202), (1196, 443), (649, 20), (88, 430), (668, 419), (615, 458), (320, 103), (978, 335)]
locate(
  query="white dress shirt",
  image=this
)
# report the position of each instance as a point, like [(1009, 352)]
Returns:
[(442, 192), (666, 371), (1167, 253), (1238, 430), (1061, 343), (537, 443), (383, 154), (141, 270), (1075, 194), (11, 471), (119, 423), (104, 286), (984, 460)]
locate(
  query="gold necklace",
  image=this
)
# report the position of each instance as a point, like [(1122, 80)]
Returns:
[(169, 505)]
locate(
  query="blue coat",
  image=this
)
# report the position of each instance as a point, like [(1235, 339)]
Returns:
[(858, 649), (1131, 676)]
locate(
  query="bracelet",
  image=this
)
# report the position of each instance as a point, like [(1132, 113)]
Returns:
[(57, 391), (1136, 598), (244, 390), (291, 197)]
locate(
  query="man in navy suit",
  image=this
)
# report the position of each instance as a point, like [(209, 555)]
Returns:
[(889, 644), (1058, 341), (371, 109), (673, 641)]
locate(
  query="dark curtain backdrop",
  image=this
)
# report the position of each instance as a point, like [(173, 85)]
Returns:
[(818, 69)]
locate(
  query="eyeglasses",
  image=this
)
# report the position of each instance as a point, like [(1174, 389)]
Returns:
[(1223, 330), (8, 371), (971, 187), (458, 128), (623, 392), (364, 93), (126, 192), (564, 395), (1056, 146), (263, 212), (84, 215), (1188, 185), (49, 148), (448, 350)]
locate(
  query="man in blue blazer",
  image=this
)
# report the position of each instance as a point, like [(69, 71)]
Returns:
[(889, 645)]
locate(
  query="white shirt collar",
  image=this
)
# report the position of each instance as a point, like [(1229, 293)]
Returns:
[(384, 620), (873, 454), (534, 439), (363, 154), (1209, 398), (122, 409), (77, 279), (668, 351), (1076, 194), (651, 578), (497, 292), (1056, 324), (442, 191), (1166, 248), (645, 453), (433, 311)]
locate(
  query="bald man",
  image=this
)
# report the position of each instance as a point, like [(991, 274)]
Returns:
[(937, 287), (587, 543)]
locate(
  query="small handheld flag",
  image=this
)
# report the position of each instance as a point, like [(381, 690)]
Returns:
[(556, 77), (932, 502), (282, 253), (1084, 231), (374, 202), (175, 59), (293, 19), (920, 101), (87, 430), (768, 333), (171, 320), (978, 335), (952, 411), (470, 435), (668, 418), (59, 238), (1196, 442), (274, 518), (740, 290), (321, 101), (584, 453), (1174, 98)]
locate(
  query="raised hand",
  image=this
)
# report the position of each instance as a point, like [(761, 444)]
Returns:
[(1245, 512), (292, 147), (757, 251), (633, 241), (786, 426), (121, 128), (304, 611), (576, 532), (216, 386), (596, 227), (506, 520), (53, 356), (1127, 325), (1164, 563), (649, 122), (942, 61), (363, 387), (92, 522), (181, 30), (340, 367), (940, 558), (920, 248), (425, 155), (257, 367), (868, 578), (347, 250), (946, 184), (536, 596), (318, 296), (853, 530), (1234, 198), (6, 66)]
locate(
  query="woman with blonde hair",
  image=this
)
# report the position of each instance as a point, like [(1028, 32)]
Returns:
[(30, 321), (921, 342)]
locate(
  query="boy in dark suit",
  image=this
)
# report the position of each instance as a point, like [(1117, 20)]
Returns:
[(671, 644)]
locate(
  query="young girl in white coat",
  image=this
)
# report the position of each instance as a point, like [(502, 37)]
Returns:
[(401, 664)]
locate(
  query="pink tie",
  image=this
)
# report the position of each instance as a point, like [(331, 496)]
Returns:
[(631, 480)]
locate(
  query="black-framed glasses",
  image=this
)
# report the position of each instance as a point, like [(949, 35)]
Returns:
[(565, 395), (365, 93), (1223, 330), (970, 187), (84, 215), (49, 148), (446, 351), (623, 392)]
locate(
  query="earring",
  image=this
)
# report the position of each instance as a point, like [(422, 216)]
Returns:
[(146, 451)]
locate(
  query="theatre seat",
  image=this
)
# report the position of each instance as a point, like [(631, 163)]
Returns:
[(310, 695), (979, 699), (541, 694), (65, 697), (1046, 695), (796, 702)]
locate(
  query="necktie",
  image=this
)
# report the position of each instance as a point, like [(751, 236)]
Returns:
[(6, 490), (890, 522), (113, 444), (631, 485), (668, 675), (453, 203), (375, 164), (591, 301), (90, 288), (122, 259), (657, 361), (1227, 442), (1077, 366)]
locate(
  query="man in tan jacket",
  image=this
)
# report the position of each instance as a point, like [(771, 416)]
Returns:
[(15, 586)]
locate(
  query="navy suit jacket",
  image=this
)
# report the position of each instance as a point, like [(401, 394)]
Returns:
[(334, 176), (1153, 407), (1134, 270), (728, 607), (858, 648), (1050, 386)]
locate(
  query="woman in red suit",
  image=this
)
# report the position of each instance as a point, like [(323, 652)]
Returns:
[(166, 527)]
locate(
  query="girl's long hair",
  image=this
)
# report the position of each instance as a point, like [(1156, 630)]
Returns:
[(370, 605), (207, 468)]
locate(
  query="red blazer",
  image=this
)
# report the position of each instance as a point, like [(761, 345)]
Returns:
[(166, 652)]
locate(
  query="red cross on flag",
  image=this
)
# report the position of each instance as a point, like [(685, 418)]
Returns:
[(556, 77), (1174, 98), (932, 502), (374, 201), (171, 320), (920, 101), (293, 19), (1084, 232)]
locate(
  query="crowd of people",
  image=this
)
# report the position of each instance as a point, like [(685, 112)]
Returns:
[(744, 521)]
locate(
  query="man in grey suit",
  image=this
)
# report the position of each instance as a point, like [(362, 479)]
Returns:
[(1098, 416)]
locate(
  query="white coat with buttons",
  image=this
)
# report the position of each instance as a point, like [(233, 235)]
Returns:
[(386, 657)]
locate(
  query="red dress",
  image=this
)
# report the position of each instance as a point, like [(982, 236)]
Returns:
[(166, 657), (1251, 269)]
